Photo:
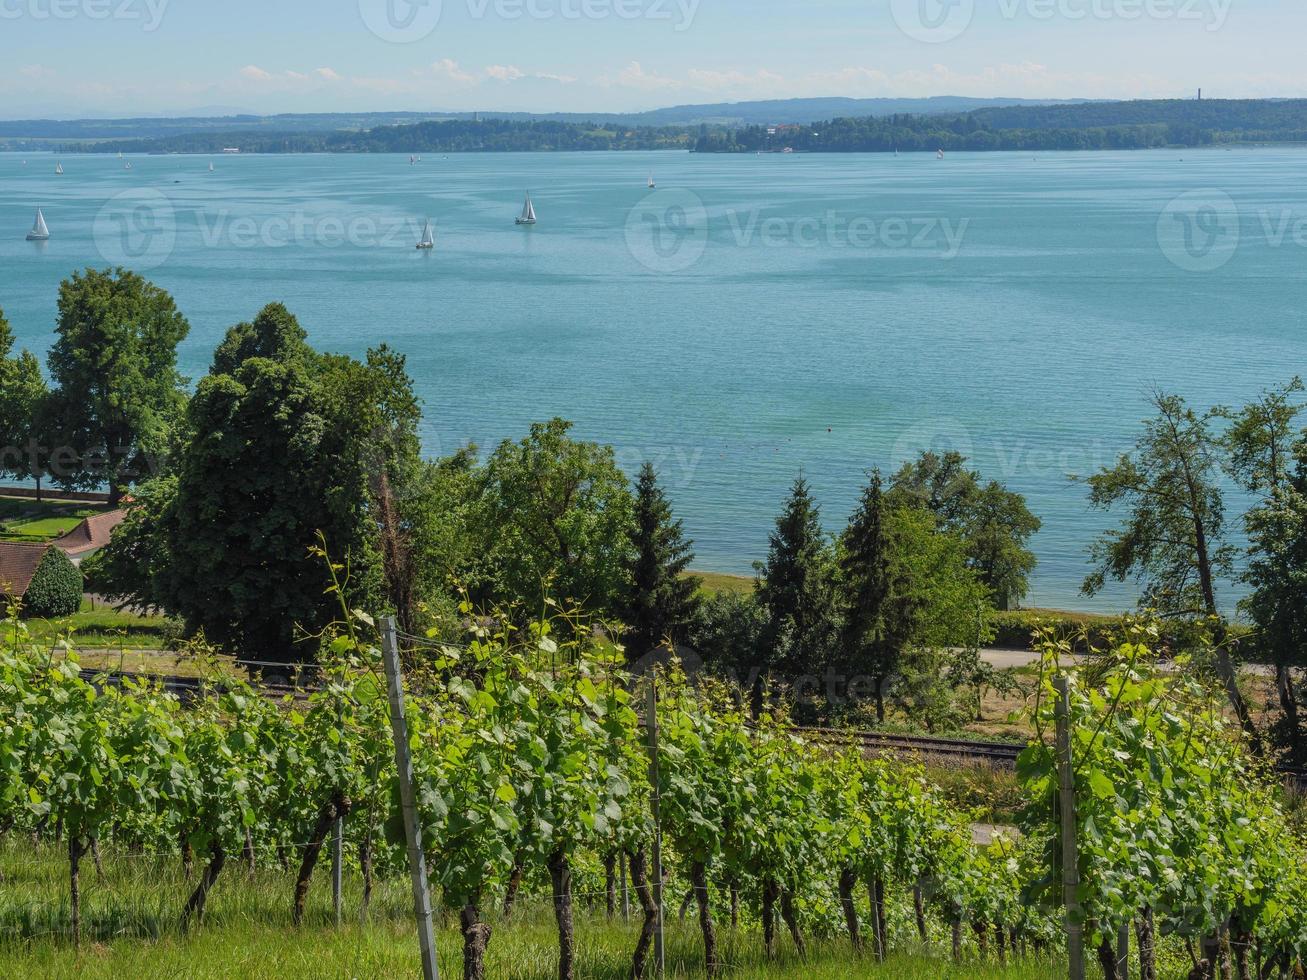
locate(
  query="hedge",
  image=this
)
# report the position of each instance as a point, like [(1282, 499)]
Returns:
[(56, 587), (1015, 629)]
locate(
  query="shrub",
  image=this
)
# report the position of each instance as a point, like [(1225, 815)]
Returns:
[(1016, 629), (56, 588)]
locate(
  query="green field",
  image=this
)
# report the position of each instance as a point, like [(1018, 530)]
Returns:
[(22, 519), (130, 918), (714, 582), (101, 628)]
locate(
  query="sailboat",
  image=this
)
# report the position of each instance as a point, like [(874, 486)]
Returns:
[(120, 154), (939, 155), (427, 241), (652, 185), (210, 166), (127, 165), (39, 232), (528, 215), (412, 159), (58, 168)]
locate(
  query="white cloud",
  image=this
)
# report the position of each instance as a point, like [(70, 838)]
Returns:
[(449, 68), (327, 73), (36, 71), (505, 73), (255, 73), (634, 76)]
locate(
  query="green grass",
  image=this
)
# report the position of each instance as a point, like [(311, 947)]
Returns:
[(101, 628), (22, 519), (130, 930), (45, 527), (715, 582)]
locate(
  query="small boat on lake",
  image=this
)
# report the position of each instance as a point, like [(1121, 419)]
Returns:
[(652, 185), (39, 232), (528, 215), (427, 240), (58, 168)]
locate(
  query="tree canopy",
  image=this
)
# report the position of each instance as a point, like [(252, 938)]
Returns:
[(117, 391)]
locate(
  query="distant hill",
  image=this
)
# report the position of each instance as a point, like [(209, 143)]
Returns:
[(1218, 115), (1014, 126), (790, 111), (723, 114)]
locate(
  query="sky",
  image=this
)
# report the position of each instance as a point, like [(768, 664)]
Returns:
[(69, 58)]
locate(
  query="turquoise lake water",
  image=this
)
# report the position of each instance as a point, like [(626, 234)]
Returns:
[(752, 317)]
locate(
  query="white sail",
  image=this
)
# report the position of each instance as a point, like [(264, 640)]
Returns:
[(39, 232), (58, 168), (652, 185), (210, 166), (427, 241), (528, 216)]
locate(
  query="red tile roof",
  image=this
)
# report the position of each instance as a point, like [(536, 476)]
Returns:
[(91, 534), (18, 561)]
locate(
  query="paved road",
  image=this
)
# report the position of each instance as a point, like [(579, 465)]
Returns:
[(1003, 659)]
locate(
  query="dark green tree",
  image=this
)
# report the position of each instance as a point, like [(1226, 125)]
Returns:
[(998, 527), (284, 452), (135, 565), (555, 515), (23, 411), (1173, 537), (274, 334), (1277, 603), (992, 520), (661, 600), (941, 484), (117, 392), (879, 603), (1261, 436), (1265, 457), (795, 588)]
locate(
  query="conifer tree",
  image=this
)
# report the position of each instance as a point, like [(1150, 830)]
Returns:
[(877, 598), (794, 587), (661, 598)]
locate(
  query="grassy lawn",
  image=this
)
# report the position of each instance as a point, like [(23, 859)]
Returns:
[(714, 582), (130, 922), (22, 519), (102, 627)]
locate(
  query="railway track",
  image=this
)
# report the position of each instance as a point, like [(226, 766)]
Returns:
[(1004, 753)]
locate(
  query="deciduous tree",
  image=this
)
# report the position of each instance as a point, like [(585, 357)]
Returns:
[(117, 391)]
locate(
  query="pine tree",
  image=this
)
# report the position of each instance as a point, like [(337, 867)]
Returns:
[(879, 609), (662, 599), (794, 587)]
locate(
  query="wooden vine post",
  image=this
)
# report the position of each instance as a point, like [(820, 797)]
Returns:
[(660, 959), (417, 861), (1070, 853)]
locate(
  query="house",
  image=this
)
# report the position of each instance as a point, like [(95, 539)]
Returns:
[(90, 536), (18, 563)]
